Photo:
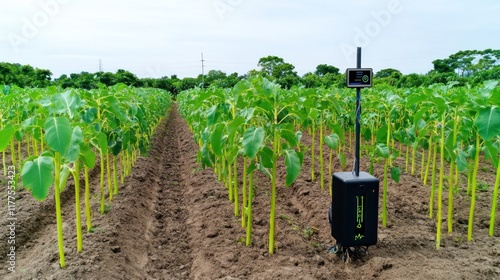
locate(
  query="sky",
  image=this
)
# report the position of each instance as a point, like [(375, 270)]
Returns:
[(156, 38)]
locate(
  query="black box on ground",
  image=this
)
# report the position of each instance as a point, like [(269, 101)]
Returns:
[(354, 217)]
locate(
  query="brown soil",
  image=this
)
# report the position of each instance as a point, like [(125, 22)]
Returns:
[(173, 220)]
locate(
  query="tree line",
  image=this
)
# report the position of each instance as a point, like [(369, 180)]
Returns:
[(467, 67)]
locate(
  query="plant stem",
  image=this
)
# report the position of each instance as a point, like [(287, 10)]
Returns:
[(413, 159), (249, 210), (108, 175), (76, 176), (115, 176), (313, 136), (473, 190), (244, 194), (440, 190), (87, 199), (57, 187), (273, 191), (433, 181), (451, 179), (384, 194), (321, 161), (235, 185), (101, 181), (429, 157), (494, 200)]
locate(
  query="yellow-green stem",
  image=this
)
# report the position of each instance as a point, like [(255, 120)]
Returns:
[(108, 175), (87, 199), (76, 176), (451, 176), (57, 188), (244, 194), (321, 161), (115, 176), (235, 186), (429, 159), (273, 192), (313, 136), (440, 187), (473, 190), (384, 194), (249, 210), (433, 182), (101, 181), (494, 201)]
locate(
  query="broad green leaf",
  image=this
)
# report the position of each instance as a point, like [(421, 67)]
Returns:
[(461, 160), (5, 136), (314, 113), (395, 173), (266, 157), (216, 138), (58, 133), (332, 141), (89, 115), (342, 160), (116, 109), (73, 151), (495, 97), (264, 170), (212, 115), (252, 141), (207, 158), (63, 177), (488, 123), (116, 148), (247, 113), (293, 165), (67, 102), (491, 152), (382, 150), (298, 136), (102, 142), (289, 136), (382, 134), (87, 155), (38, 176), (234, 125), (251, 168)]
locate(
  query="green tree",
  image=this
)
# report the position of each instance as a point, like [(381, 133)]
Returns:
[(323, 69), (276, 68)]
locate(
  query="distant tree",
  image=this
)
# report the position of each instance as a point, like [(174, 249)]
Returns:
[(106, 78), (276, 68), (126, 77), (468, 63), (388, 72), (388, 76), (323, 69), (311, 80)]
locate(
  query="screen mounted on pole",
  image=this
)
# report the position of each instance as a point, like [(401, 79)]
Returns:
[(359, 77)]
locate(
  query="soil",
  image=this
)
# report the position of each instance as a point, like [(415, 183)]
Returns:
[(173, 220)]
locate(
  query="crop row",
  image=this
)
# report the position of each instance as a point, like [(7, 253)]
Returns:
[(67, 132), (262, 123)]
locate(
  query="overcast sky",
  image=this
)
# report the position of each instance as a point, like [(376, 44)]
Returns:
[(155, 38)]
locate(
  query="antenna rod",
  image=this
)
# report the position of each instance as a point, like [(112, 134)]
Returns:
[(202, 71), (358, 116)]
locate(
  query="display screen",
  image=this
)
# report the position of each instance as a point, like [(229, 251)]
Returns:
[(359, 77)]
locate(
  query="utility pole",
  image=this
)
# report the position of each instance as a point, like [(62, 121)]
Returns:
[(100, 65), (202, 71)]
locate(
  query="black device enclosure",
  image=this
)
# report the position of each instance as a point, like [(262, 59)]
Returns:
[(354, 220)]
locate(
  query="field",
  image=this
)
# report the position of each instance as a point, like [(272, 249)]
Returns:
[(172, 220)]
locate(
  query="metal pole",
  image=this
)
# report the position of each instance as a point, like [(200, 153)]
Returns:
[(358, 116)]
